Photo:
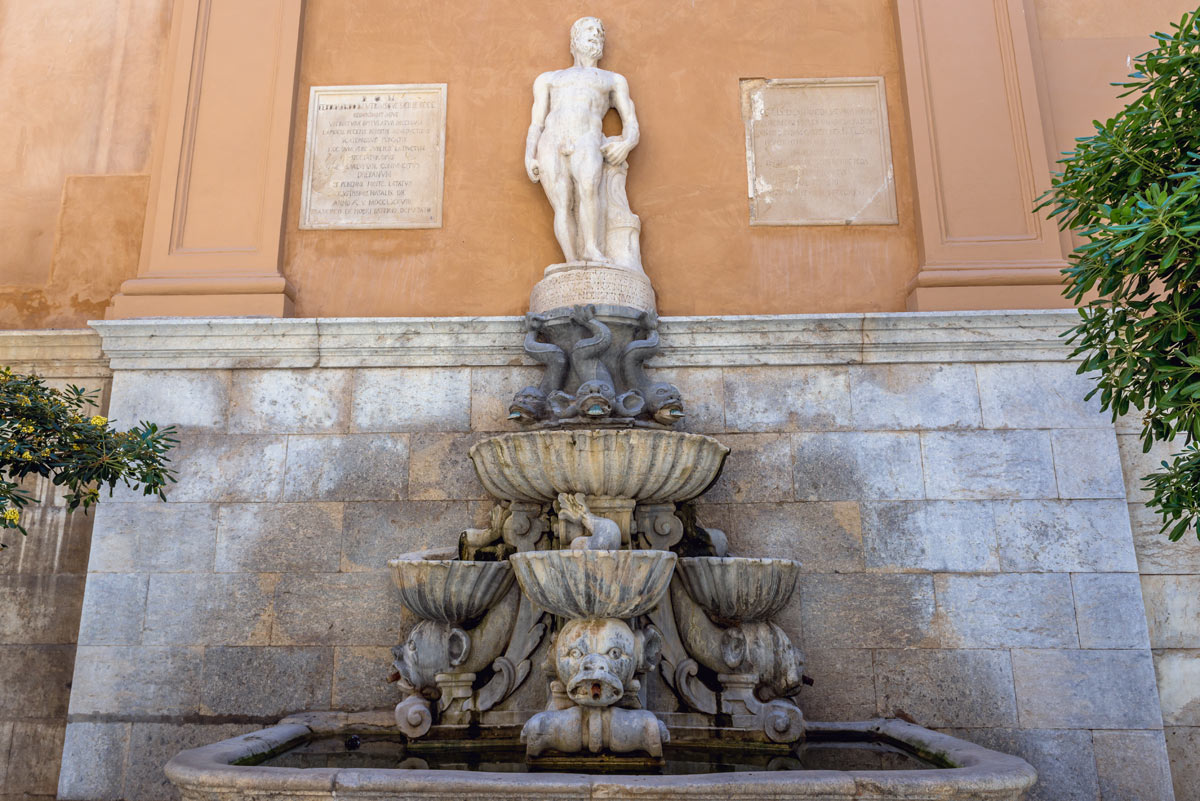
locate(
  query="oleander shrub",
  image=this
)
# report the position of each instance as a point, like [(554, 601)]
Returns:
[(1131, 190)]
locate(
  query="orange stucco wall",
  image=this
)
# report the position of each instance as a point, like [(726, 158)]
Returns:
[(82, 94), (687, 176), (79, 90)]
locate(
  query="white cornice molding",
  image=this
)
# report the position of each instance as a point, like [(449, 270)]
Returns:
[(727, 341), (66, 353)]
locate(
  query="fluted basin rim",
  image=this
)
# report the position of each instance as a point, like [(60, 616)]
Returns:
[(449, 590), (594, 584), (647, 465), (740, 588)]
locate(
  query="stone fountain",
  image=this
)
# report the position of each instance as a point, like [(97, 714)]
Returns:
[(594, 580)]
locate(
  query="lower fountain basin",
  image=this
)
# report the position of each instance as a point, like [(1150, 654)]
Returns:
[(594, 584), (253, 767)]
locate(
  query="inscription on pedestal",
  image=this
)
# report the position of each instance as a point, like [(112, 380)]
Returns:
[(375, 157), (602, 286), (818, 152)]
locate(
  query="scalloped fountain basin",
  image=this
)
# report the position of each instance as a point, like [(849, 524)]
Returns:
[(594, 584), (450, 590), (737, 588), (647, 465), (263, 766)]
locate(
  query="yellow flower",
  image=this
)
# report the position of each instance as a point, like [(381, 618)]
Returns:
[(98, 420), (26, 456), (12, 515), (26, 429)]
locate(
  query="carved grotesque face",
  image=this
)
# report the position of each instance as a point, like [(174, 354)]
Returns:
[(595, 398), (529, 405), (596, 660), (430, 648), (665, 402), (587, 37)]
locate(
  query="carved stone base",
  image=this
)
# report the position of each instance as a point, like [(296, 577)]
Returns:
[(575, 284)]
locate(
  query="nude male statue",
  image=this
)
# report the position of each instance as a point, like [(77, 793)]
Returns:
[(566, 150)]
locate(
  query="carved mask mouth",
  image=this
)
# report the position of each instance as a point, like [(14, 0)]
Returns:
[(669, 414), (595, 688)]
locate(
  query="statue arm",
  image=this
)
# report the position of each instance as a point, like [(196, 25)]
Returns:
[(617, 150), (541, 107)]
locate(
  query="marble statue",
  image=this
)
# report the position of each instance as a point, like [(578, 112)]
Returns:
[(581, 170)]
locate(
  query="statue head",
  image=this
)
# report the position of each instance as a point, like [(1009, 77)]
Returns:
[(595, 398), (587, 37), (528, 406), (664, 402), (429, 649)]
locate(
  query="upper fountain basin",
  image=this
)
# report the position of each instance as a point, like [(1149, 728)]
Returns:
[(647, 465), (450, 590), (594, 584), (739, 589)]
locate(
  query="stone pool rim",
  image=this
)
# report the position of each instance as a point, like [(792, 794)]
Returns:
[(979, 773)]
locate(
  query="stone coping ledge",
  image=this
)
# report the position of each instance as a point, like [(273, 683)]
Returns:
[(177, 343), (55, 353), (979, 773)]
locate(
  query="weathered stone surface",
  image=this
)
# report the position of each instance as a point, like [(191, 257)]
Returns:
[(337, 609), (1087, 463), (843, 684), (1183, 748), (955, 536), (901, 396), (946, 688), (1065, 536), (981, 465), (972, 336), (114, 609), (1132, 765), (378, 531), (207, 344), (214, 609), (340, 163), (152, 745), (39, 608), (1038, 395), (289, 401), (184, 398), (278, 537), (215, 467), (33, 759), (853, 465), (154, 537), (346, 467), (1062, 689), (1179, 686), (703, 390), (93, 761), (823, 537), (867, 611), (269, 681), (414, 399), (787, 399), (818, 151), (757, 470), (1006, 611), (440, 470), (360, 678), (1136, 464), (37, 680), (130, 680), (1063, 759), (1156, 553), (492, 389), (6, 728), (1106, 608), (58, 541), (1172, 610)]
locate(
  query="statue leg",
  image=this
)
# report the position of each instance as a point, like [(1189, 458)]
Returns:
[(556, 180), (587, 166)]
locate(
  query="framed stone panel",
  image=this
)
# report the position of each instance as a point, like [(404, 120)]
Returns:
[(818, 151), (375, 156)]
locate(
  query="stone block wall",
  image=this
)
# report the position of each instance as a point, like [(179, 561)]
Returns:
[(41, 586), (959, 510)]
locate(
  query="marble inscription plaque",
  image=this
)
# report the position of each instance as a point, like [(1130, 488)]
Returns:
[(375, 156), (599, 285), (818, 152)]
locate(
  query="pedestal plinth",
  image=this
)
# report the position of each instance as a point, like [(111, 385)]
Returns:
[(581, 283)]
